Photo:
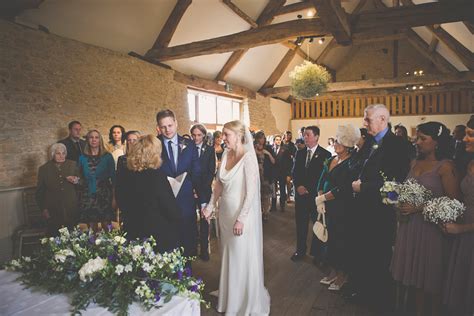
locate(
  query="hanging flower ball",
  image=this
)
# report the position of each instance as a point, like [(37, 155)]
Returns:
[(308, 80)]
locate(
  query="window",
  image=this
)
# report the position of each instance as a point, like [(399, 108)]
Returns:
[(212, 110)]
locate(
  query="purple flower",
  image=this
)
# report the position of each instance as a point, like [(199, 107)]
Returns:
[(109, 227), (199, 281), (194, 288), (57, 240), (180, 275), (157, 297), (187, 271), (154, 284), (92, 239), (392, 195), (112, 257)]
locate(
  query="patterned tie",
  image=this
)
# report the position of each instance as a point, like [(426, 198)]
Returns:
[(170, 152), (308, 157)]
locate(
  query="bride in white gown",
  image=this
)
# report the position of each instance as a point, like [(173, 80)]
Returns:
[(237, 196)]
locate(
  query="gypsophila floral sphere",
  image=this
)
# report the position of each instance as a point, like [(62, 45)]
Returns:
[(308, 80)]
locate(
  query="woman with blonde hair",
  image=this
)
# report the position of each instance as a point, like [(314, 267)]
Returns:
[(148, 198), (237, 193), (97, 168)]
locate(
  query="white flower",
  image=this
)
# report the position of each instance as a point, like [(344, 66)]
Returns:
[(51, 238), (120, 240), (413, 193), (128, 268), (44, 240), (90, 267), (27, 259), (62, 254), (443, 210), (98, 241), (136, 252), (147, 267), (15, 264), (119, 269)]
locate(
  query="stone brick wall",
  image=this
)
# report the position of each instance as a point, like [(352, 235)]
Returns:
[(375, 60), (261, 117), (47, 81)]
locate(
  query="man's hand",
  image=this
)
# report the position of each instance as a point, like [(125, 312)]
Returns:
[(356, 186), (301, 190)]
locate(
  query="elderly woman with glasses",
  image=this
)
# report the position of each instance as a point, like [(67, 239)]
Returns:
[(56, 190)]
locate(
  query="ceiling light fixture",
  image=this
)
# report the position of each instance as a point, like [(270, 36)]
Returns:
[(321, 40), (310, 13)]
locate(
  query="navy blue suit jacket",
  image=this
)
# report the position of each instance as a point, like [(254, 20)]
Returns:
[(188, 161)]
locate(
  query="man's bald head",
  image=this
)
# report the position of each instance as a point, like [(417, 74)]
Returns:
[(376, 118)]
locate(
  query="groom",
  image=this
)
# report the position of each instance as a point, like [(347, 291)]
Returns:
[(180, 155)]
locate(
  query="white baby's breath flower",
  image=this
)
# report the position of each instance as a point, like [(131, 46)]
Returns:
[(443, 210)]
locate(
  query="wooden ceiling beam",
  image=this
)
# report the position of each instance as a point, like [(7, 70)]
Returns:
[(412, 16), (464, 54), (280, 69), (11, 8), (240, 13), (213, 86), (384, 83), (265, 18), (335, 19), (433, 44), (295, 7), (436, 58), (171, 24), (469, 26), (365, 22)]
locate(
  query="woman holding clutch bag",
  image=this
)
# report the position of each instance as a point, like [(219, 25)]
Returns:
[(335, 199)]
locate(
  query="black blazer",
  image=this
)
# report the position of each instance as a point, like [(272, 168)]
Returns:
[(207, 159), (283, 162), (151, 208), (73, 152), (309, 177), (391, 157)]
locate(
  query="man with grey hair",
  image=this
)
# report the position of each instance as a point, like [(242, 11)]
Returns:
[(375, 223)]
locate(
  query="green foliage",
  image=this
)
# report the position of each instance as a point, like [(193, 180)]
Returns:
[(308, 80), (108, 270)]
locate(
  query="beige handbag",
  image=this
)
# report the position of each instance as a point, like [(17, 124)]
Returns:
[(319, 228)]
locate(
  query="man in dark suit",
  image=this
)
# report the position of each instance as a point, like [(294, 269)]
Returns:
[(375, 223), (180, 155), (74, 144), (207, 159), (282, 169), (306, 172), (461, 157)]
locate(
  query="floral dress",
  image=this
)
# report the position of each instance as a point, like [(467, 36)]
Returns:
[(98, 173)]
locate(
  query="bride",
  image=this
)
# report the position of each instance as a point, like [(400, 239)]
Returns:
[(237, 192)]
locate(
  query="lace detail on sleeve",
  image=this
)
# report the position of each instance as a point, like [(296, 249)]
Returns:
[(216, 194), (252, 186)]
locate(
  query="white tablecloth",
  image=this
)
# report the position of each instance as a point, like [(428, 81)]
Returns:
[(17, 300)]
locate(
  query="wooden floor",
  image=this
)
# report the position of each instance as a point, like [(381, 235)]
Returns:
[(294, 286)]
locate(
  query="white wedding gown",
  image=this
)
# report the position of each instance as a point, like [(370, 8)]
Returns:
[(241, 286)]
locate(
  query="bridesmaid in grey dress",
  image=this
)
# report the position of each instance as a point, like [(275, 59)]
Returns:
[(421, 249), (459, 290)]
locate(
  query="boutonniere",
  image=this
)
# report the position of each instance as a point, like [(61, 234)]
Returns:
[(182, 145), (375, 146)]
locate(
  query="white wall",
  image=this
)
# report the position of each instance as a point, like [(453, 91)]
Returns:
[(328, 126), (282, 113)]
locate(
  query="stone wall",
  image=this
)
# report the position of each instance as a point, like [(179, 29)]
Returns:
[(47, 81), (261, 117), (375, 60)]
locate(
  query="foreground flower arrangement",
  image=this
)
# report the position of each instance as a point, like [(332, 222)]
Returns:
[(443, 210), (108, 270)]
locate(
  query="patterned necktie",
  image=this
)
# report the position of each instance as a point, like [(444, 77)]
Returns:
[(308, 157), (170, 152)]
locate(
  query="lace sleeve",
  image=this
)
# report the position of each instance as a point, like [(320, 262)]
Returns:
[(252, 186)]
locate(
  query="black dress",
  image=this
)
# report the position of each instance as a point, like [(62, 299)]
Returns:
[(338, 181), (151, 208)]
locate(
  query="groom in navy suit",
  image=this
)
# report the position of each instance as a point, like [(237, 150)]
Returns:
[(180, 155)]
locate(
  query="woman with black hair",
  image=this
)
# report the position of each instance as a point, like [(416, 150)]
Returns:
[(116, 142), (421, 249), (401, 131)]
